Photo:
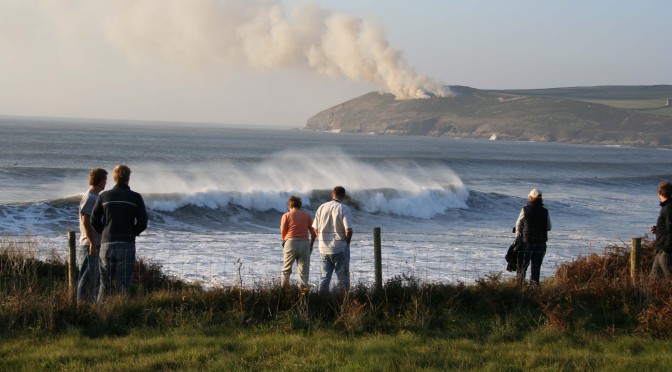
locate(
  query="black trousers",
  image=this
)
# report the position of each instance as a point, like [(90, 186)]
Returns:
[(530, 254)]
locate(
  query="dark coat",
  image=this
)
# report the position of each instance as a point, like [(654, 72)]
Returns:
[(664, 227), (512, 254), (119, 215)]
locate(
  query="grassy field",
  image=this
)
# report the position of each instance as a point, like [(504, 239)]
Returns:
[(646, 106), (607, 92), (588, 316), (220, 348)]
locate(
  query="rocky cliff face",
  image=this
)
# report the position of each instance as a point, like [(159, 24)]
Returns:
[(474, 113)]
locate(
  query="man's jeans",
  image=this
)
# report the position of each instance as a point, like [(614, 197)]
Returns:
[(89, 275), (662, 265), (117, 261), (339, 262)]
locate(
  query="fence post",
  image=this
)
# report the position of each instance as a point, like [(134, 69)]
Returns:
[(377, 258), (72, 254), (635, 259)]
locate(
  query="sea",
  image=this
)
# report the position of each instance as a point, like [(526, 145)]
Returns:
[(215, 195)]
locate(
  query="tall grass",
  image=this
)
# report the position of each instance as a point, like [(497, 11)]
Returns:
[(592, 293)]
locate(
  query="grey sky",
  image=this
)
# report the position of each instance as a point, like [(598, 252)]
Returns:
[(211, 61)]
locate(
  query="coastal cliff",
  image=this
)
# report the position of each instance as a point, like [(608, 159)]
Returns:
[(612, 115)]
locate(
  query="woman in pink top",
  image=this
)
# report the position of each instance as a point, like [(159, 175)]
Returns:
[(294, 228)]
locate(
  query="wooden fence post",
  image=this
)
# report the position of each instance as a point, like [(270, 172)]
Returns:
[(377, 255), (72, 261), (635, 259)]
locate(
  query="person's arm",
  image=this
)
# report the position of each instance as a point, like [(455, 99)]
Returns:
[(85, 221), (98, 217), (519, 223), (284, 226), (668, 223), (348, 235), (548, 223), (347, 224), (313, 236), (316, 225), (141, 217)]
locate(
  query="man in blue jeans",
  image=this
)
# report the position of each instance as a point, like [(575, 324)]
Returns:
[(89, 241), (333, 225), (120, 216)]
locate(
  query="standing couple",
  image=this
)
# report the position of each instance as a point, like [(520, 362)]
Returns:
[(109, 222), (332, 228)]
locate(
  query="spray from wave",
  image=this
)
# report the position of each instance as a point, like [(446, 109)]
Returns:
[(260, 34), (390, 187)]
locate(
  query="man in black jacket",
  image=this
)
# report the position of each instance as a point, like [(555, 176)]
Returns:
[(120, 216), (662, 261), (532, 226)]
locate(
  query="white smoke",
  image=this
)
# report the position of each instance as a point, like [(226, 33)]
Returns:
[(263, 35)]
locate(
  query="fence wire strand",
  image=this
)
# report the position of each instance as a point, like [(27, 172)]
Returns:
[(257, 258)]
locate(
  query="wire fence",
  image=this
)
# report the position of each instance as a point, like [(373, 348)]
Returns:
[(224, 259)]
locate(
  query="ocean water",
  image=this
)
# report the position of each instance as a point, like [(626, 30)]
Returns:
[(216, 194)]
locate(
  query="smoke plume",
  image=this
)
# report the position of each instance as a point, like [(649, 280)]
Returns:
[(263, 35)]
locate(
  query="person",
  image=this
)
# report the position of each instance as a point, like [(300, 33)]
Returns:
[(89, 241), (662, 260), (295, 226), (120, 216), (532, 227), (333, 225)]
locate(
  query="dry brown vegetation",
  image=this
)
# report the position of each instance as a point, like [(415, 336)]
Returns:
[(593, 293)]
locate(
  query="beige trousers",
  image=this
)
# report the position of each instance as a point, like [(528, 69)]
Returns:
[(296, 250)]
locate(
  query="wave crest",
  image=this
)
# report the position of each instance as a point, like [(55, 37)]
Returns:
[(424, 203)]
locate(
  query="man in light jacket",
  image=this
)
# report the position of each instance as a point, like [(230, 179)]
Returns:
[(333, 225)]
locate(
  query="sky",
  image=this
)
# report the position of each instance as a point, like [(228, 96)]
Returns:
[(272, 62)]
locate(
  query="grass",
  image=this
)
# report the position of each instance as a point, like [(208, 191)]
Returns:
[(220, 348), (646, 106), (589, 315)]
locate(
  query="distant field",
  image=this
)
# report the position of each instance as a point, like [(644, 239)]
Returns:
[(630, 104), (615, 92), (646, 106), (667, 111)]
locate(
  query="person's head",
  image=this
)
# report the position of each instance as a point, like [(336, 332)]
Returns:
[(97, 177), (122, 174), (294, 202), (535, 196), (664, 189), (338, 192)]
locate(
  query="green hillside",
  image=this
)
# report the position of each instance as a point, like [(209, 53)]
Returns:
[(573, 115), (647, 99), (617, 92)]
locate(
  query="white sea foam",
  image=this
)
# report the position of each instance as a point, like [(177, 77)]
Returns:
[(401, 188), (425, 203)]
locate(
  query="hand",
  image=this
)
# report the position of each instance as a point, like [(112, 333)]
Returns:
[(93, 250)]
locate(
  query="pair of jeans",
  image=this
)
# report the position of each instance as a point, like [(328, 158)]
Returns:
[(89, 275), (117, 261), (296, 250), (662, 264), (340, 263), (530, 253)]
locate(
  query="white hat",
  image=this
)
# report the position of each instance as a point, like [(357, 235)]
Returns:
[(534, 193)]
